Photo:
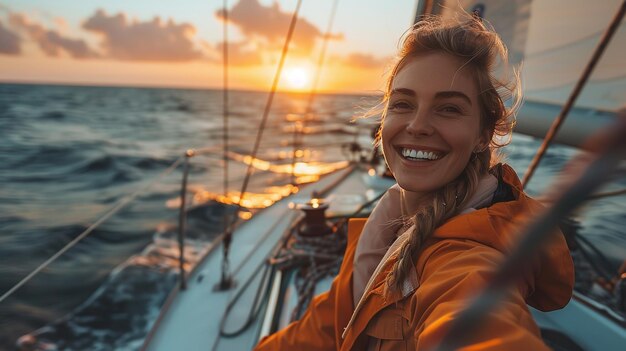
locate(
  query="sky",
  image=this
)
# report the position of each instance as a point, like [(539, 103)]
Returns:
[(179, 43)]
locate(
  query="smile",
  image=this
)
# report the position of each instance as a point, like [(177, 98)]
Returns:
[(413, 154)]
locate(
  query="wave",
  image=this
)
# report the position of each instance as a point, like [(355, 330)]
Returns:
[(53, 115), (71, 163), (120, 313), (117, 316)]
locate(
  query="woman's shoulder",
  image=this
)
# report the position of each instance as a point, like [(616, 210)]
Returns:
[(510, 201), (496, 225)]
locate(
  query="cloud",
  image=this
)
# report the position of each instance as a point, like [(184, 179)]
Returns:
[(50, 41), (9, 41), (241, 54), (153, 40), (366, 61), (270, 24)]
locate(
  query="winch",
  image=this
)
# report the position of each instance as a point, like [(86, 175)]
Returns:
[(314, 222)]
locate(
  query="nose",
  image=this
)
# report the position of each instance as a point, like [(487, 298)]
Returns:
[(420, 124)]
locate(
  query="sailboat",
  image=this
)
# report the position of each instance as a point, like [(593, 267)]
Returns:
[(263, 286), (268, 297)]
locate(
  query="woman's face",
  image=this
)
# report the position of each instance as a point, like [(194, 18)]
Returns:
[(432, 124)]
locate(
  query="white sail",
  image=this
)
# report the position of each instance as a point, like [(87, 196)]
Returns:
[(510, 19), (554, 39), (561, 40)]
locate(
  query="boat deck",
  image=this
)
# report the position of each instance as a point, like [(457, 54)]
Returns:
[(192, 319)]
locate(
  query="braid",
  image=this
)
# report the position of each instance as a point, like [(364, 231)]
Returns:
[(446, 203), (482, 51)]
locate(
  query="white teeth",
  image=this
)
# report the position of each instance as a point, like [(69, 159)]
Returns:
[(423, 155)]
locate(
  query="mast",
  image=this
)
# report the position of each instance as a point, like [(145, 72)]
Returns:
[(427, 7)]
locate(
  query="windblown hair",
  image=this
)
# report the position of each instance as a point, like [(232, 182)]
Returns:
[(482, 51)]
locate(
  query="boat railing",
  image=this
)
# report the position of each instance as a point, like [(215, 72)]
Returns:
[(182, 214)]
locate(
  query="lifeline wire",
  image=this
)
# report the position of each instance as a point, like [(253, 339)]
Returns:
[(87, 231)]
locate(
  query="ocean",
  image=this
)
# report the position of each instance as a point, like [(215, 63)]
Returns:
[(70, 153)]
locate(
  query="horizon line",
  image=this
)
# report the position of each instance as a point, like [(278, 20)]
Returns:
[(180, 87)]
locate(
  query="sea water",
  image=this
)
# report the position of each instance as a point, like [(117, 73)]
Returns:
[(68, 154)]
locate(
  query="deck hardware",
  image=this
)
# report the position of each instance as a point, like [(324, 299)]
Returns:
[(314, 222)]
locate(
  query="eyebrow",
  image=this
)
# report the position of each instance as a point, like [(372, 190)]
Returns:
[(438, 95), (453, 94), (403, 91)]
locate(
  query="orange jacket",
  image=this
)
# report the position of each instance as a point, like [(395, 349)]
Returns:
[(453, 266)]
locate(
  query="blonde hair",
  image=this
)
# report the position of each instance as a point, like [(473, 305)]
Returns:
[(482, 50)]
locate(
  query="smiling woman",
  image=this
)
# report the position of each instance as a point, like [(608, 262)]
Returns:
[(438, 118), (437, 236)]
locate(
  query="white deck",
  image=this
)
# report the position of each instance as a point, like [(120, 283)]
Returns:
[(586, 327), (193, 318)]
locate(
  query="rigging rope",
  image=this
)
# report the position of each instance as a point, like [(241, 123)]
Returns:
[(314, 258), (262, 290), (225, 108), (608, 34), (318, 69), (268, 271), (226, 281), (120, 205)]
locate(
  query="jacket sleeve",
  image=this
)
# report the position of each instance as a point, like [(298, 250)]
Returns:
[(317, 329), (454, 272)]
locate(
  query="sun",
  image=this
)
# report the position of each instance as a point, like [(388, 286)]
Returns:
[(296, 78)]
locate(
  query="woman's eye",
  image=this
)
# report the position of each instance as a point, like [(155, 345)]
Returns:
[(400, 106), (449, 109)]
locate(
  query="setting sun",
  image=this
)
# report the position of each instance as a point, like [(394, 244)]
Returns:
[(297, 78)]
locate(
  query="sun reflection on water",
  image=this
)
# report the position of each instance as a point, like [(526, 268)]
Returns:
[(301, 168), (305, 172)]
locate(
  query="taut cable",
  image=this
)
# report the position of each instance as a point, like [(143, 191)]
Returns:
[(297, 135), (226, 281), (606, 38), (226, 218)]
